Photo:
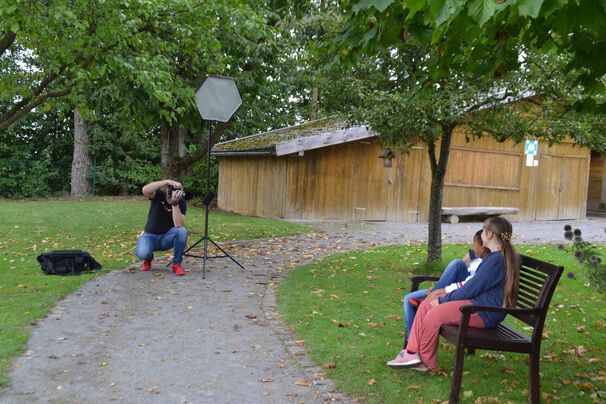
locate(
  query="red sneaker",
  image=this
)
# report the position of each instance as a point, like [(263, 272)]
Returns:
[(146, 265), (415, 301), (178, 269)]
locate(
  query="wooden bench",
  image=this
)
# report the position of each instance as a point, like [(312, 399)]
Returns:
[(451, 215), (538, 281)]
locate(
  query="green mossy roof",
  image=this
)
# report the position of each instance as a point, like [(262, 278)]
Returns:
[(268, 140)]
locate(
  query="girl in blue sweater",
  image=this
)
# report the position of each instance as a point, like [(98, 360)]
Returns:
[(495, 284)]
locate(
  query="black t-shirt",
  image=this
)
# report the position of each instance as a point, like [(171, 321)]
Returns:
[(160, 216)]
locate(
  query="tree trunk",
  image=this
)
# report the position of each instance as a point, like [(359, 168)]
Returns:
[(436, 196), (175, 162), (172, 144), (81, 163)]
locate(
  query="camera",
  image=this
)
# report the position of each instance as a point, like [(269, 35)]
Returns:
[(179, 193)]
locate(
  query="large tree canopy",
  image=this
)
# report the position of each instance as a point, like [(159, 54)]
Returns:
[(488, 36)]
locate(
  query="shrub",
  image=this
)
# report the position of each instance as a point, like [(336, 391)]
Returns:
[(588, 256)]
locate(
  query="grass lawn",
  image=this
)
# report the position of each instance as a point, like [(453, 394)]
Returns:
[(106, 228), (347, 308)]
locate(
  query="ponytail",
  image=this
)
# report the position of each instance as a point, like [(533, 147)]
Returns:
[(502, 230), (512, 274)]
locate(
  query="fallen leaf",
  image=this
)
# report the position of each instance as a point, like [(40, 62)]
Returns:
[(507, 371), (413, 387), (468, 393), (585, 386), (306, 383), (487, 400), (330, 365), (371, 382), (266, 379)]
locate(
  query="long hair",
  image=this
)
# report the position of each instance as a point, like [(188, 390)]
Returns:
[(502, 231)]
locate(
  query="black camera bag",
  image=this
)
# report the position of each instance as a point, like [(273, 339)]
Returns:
[(67, 262)]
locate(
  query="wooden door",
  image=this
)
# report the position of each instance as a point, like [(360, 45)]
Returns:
[(573, 183), (548, 197), (562, 185)]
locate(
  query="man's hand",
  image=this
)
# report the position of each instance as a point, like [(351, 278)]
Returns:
[(150, 189), (175, 184)]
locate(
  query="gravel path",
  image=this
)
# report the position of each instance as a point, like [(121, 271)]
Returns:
[(153, 337)]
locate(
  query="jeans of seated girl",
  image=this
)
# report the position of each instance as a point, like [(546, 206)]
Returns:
[(456, 271), (175, 238)]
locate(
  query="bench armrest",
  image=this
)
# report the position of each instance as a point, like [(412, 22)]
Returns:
[(418, 279), (467, 311)]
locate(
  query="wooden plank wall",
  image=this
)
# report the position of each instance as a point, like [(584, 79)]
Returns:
[(252, 185), (488, 173), (349, 182), (342, 182)]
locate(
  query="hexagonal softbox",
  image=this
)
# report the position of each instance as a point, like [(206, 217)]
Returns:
[(218, 98)]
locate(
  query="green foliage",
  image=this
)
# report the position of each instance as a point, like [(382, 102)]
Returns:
[(589, 256), (35, 157), (487, 36), (196, 182), (348, 310), (124, 161)]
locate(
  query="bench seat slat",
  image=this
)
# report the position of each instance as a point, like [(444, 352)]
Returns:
[(501, 338)]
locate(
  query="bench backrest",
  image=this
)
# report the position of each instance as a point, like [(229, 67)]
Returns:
[(538, 280)]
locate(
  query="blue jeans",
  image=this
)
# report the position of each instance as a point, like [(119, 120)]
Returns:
[(456, 271), (175, 238)]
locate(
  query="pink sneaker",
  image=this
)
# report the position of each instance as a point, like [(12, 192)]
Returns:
[(404, 360), (178, 269), (146, 266)]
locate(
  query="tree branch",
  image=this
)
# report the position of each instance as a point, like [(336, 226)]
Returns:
[(6, 41), (25, 109), (19, 106), (198, 154)]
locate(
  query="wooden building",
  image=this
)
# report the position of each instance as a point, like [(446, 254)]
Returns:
[(325, 170)]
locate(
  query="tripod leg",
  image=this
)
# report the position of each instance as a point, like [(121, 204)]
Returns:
[(193, 245), (225, 252)]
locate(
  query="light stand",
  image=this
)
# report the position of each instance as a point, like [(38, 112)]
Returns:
[(217, 100)]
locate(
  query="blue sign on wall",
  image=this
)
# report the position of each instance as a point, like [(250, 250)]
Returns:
[(532, 147)]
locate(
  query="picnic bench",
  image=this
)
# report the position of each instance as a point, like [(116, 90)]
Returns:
[(451, 215), (538, 281)]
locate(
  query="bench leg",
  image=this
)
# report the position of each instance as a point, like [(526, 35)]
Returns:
[(457, 375), (533, 378)]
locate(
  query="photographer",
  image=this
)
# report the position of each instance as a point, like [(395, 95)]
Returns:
[(164, 229)]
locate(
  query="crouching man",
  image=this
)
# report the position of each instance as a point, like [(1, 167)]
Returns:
[(164, 229)]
